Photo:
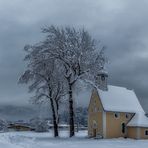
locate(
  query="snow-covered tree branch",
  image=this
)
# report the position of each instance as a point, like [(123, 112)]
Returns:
[(43, 76), (64, 57)]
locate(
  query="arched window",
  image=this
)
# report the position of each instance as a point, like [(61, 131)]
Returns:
[(123, 128), (117, 115), (94, 124)]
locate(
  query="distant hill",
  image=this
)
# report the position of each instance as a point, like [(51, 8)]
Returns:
[(14, 113)]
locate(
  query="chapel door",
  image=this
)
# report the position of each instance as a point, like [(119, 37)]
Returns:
[(94, 132)]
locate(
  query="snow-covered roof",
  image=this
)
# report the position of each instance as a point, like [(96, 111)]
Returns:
[(120, 99), (139, 120)]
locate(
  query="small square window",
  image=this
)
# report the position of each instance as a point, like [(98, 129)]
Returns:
[(146, 132)]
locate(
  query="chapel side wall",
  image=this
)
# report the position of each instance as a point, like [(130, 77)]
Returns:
[(95, 114), (114, 125), (142, 133), (137, 132), (132, 132)]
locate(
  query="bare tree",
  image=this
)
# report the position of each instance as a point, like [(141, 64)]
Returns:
[(79, 54), (43, 76)]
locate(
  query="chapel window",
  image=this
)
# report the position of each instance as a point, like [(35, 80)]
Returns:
[(146, 132), (117, 115)]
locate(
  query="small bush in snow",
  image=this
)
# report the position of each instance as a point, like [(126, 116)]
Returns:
[(40, 125)]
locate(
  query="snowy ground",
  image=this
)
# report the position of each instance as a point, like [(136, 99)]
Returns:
[(45, 140)]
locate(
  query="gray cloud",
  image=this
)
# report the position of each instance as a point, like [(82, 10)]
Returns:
[(121, 25)]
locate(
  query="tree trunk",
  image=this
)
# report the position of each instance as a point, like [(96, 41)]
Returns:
[(57, 107), (55, 124), (71, 113)]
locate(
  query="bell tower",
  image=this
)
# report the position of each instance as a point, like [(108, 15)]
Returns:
[(101, 80)]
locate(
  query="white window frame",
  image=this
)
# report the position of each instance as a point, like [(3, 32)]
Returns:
[(118, 115)]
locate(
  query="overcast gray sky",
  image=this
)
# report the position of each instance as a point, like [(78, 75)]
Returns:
[(121, 25)]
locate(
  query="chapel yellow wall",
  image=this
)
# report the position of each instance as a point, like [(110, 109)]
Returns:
[(114, 125), (132, 132), (137, 132), (95, 113), (142, 133)]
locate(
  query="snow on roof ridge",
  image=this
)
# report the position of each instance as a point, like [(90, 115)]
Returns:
[(121, 87)]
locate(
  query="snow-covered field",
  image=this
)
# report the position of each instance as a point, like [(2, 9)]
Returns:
[(45, 140)]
